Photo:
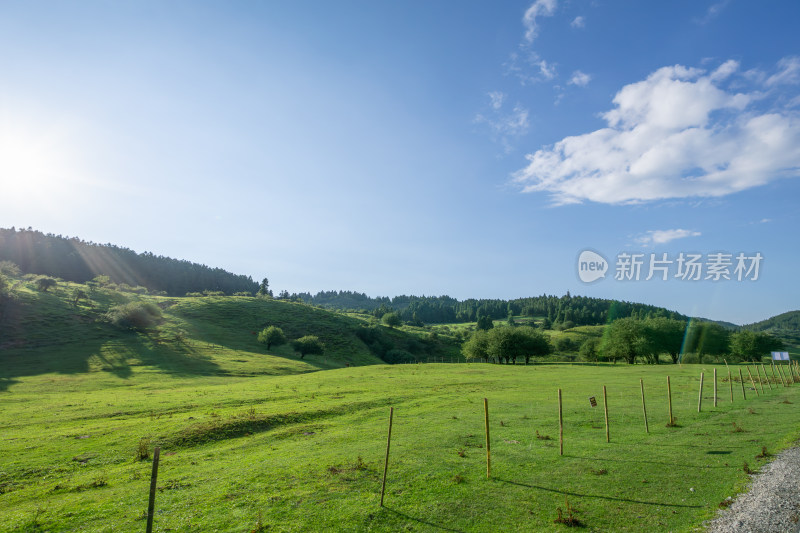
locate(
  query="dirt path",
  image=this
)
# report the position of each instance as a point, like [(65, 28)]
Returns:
[(772, 505)]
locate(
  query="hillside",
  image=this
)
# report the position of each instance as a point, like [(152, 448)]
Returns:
[(73, 259), (51, 331), (785, 326)]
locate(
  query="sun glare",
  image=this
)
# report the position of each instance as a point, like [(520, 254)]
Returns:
[(33, 161)]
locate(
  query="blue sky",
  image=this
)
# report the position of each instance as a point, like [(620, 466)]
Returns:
[(464, 148)]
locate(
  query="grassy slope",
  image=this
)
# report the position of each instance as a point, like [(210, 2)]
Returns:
[(45, 332)]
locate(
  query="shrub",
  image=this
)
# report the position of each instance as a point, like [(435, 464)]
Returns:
[(213, 293), (134, 315), (691, 358), (43, 283), (9, 269), (392, 319), (394, 357)]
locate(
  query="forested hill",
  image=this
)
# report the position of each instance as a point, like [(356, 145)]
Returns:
[(785, 326), (75, 260), (564, 310)]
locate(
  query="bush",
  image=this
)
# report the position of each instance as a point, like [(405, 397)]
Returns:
[(565, 344), (394, 357), (691, 358), (194, 294), (134, 315), (213, 293), (43, 283), (8, 268), (244, 293), (589, 349), (392, 319)]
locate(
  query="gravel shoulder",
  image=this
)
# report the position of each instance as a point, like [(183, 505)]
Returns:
[(771, 505)]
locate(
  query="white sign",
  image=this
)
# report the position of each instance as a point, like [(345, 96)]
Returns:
[(780, 356)]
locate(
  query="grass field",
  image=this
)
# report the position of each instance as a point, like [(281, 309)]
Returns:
[(305, 452)]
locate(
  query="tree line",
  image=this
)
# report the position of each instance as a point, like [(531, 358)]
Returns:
[(559, 312), (79, 261), (627, 339)]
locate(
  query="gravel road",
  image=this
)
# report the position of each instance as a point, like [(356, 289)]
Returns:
[(772, 505)]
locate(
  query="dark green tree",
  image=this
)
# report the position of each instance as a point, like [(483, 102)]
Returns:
[(509, 344), (484, 323), (667, 335), (263, 289), (752, 345), (310, 344), (588, 350), (626, 338), (44, 283), (272, 336), (79, 294), (392, 320), (707, 338), (477, 346), (510, 320)]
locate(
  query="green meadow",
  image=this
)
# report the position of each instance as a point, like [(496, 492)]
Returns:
[(257, 440), (306, 452)]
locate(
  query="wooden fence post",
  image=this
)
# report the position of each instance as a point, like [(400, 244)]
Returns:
[(560, 426), (766, 377), (780, 371), (669, 399), (644, 408), (700, 396), (730, 383), (386, 462), (741, 381), (715, 387), (151, 505), (752, 381), (488, 449), (758, 375), (605, 408)]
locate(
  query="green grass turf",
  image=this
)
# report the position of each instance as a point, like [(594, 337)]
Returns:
[(305, 452)]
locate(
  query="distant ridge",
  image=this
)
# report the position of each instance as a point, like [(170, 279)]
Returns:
[(76, 260)]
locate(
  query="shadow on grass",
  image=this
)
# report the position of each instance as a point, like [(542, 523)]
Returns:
[(420, 520), (601, 497), (115, 353)]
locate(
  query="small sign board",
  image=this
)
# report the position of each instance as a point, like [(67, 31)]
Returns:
[(592, 401), (780, 356)]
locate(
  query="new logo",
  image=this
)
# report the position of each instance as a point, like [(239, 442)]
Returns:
[(591, 266)]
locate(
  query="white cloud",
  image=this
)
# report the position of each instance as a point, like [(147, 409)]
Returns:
[(676, 134), (578, 22), (505, 126), (496, 99), (725, 70), (581, 79), (663, 236), (540, 8), (547, 70), (713, 12), (789, 73), (521, 68)]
